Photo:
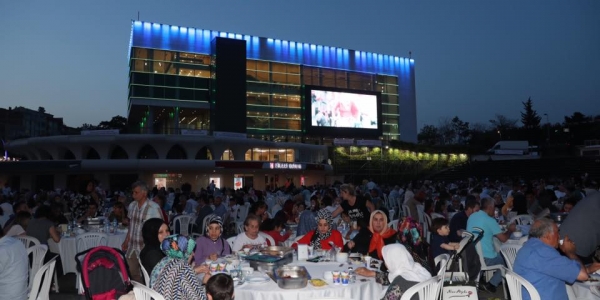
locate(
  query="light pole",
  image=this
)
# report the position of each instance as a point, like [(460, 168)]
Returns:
[(547, 128)]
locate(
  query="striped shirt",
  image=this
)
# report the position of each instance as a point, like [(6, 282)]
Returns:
[(137, 216)]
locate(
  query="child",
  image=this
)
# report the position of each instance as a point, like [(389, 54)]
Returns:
[(219, 287), (440, 243), (273, 227)]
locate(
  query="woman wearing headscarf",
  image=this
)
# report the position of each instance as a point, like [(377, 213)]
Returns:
[(154, 231), (324, 234), (403, 272), (372, 241), (211, 245), (173, 277)]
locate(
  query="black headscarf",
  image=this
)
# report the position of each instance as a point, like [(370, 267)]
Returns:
[(150, 231)]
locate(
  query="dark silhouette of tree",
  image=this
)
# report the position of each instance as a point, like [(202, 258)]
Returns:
[(86, 126), (577, 118), (41, 109), (446, 132), (117, 122), (429, 135), (461, 129), (529, 117)]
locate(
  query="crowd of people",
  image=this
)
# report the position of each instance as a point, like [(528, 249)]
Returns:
[(355, 219)]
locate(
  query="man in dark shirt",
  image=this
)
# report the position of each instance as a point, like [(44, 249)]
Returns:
[(459, 220)]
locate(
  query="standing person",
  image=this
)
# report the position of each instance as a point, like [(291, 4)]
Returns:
[(14, 268), (140, 210), (355, 205)]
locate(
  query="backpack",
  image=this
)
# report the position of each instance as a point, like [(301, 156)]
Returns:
[(410, 235)]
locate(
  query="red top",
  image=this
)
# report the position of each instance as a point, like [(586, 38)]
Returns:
[(278, 238), (335, 237)]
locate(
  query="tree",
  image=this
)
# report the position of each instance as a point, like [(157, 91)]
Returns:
[(530, 118), (86, 126), (446, 131), (429, 135), (117, 122), (577, 118), (41, 109), (461, 130)]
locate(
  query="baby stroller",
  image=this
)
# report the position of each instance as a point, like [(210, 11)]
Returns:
[(104, 273), (461, 272)]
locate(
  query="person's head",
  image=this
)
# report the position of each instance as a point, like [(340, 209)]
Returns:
[(20, 206), (346, 217), (314, 203), (43, 211), (91, 186), (160, 199), (347, 191), (92, 208), (154, 231), (378, 221), (326, 201), (324, 221), (487, 205), (140, 191), (22, 218), (278, 224), (218, 200), (119, 209), (440, 226), (569, 204), (546, 230), (258, 208), (456, 202), (440, 207), (252, 225), (471, 206), (178, 246), (214, 227), (219, 287), (498, 199), (401, 263)]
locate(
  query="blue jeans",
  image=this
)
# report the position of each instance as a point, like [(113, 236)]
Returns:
[(498, 260)]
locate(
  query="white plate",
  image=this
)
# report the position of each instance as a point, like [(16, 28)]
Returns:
[(256, 279)]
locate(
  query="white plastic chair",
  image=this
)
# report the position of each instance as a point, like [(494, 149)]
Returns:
[(515, 284), (143, 292), (40, 288), (268, 238), (144, 272), (239, 227), (27, 241), (185, 222), (421, 212), (392, 214), (37, 252), (509, 251), (426, 223), (406, 211), (429, 289), (393, 224), (522, 220), (488, 271), (442, 259)]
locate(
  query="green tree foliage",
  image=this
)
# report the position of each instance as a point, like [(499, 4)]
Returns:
[(529, 117), (429, 135), (117, 122)]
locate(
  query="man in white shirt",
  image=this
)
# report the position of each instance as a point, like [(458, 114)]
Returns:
[(14, 268)]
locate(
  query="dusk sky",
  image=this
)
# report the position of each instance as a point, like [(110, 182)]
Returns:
[(473, 59)]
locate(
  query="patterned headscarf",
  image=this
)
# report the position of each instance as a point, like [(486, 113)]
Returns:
[(317, 237)]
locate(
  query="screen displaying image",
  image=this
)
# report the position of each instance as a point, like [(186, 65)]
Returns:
[(343, 110)]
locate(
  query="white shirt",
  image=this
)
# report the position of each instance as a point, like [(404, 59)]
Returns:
[(15, 230), (14, 269), (242, 239)]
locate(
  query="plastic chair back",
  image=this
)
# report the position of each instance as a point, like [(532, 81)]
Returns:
[(428, 289), (143, 292), (40, 289), (27, 241), (515, 284), (37, 252)]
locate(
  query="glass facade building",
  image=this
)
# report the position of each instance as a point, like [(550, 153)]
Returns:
[(171, 82)]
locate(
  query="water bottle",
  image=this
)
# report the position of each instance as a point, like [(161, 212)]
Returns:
[(352, 274), (106, 227)]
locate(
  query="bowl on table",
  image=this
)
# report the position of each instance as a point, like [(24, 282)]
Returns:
[(517, 234), (341, 257)]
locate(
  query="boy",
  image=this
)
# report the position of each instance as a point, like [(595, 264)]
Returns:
[(220, 287), (440, 243)]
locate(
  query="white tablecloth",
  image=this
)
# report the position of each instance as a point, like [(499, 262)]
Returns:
[(582, 291), (270, 291), (67, 248)]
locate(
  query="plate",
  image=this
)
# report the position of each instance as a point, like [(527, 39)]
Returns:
[(595, 290), (256, 279)]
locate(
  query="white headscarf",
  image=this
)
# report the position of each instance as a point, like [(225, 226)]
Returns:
[(400, 262)]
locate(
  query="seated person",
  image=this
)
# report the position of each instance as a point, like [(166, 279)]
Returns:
[(306, 220), (403, 271), (381, 235), (119, 213), (459, 221), (568, 205), (320, 237), (91, 212), (211, 245), (484, 219), (250, 237), (14, 268), (220, 287), (544, 267), (20, 224), (440, 243), (273, 228), (154, 231), (173, 277)]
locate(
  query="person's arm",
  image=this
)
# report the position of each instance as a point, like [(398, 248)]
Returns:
[(126, 241), (337, 211), (568, 248), (54, 234), (449, 246), (370, 206), (595, 266), (504, 236)]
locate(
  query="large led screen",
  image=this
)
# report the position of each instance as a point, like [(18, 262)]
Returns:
[(342, 112)]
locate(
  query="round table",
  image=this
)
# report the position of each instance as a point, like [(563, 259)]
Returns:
[(67, 248), (269, 290)]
